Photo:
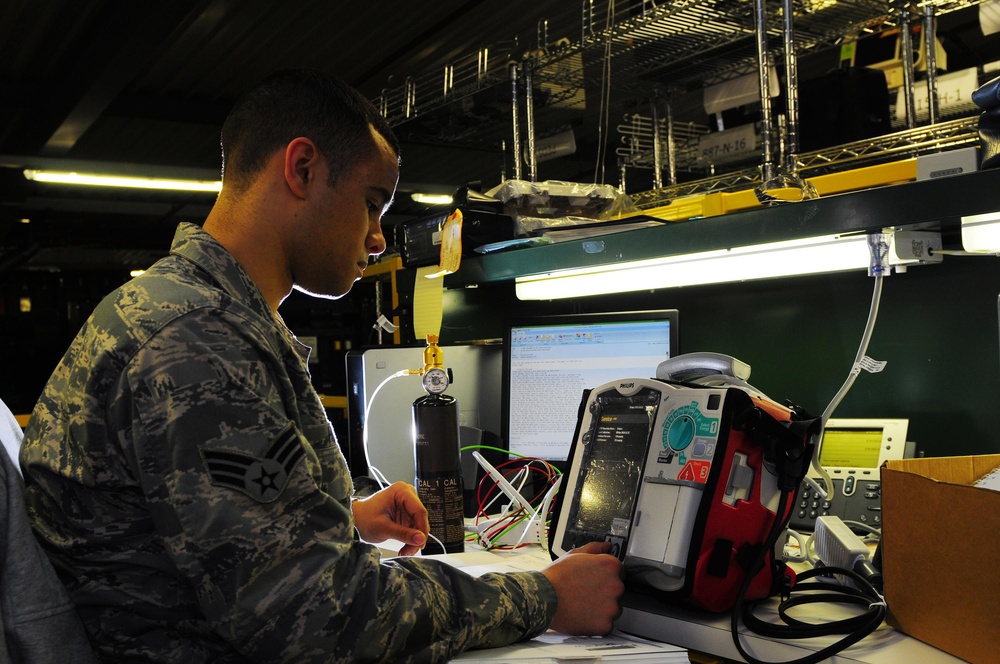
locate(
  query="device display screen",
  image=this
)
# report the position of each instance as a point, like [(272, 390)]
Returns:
[(612, 467), (851, 448)]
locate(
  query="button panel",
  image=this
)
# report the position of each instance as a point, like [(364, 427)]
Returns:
[(857, 497)]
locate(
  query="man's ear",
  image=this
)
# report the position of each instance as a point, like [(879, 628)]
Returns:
[(301, 159)]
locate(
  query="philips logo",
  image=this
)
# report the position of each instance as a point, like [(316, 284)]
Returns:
[(626, 386)]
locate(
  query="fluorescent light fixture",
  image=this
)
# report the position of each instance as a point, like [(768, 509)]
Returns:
[(431, 199), (981, 233), (830, 253), (96, 180)]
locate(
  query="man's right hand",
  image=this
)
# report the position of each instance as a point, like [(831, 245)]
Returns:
[(588, 582)]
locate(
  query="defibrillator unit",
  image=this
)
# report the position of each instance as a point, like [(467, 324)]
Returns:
[(689, 475)]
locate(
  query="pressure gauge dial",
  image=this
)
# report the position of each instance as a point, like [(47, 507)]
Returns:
[(435, 380)]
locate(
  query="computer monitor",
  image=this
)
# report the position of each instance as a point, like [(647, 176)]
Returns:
[(548, 362)]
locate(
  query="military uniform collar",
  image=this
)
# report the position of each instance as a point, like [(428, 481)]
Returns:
[(193, 243)]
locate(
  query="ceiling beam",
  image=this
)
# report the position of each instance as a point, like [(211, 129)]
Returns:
[(159, 20)]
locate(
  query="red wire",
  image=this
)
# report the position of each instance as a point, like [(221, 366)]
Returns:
[(522, 463)]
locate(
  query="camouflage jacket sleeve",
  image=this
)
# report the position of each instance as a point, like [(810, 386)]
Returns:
[(246, 485)]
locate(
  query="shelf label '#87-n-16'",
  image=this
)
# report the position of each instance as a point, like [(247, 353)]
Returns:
[(735, 143)]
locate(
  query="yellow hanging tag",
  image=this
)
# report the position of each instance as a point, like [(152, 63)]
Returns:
[(451, 245)]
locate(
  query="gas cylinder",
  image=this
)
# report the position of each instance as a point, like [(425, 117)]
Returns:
[(437, 455)]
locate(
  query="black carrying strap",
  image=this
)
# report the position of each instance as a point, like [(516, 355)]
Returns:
[(788, 445), (784, 446)]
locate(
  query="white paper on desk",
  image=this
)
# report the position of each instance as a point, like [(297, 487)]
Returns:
[(552, 647), (477, 563), (555, 647)]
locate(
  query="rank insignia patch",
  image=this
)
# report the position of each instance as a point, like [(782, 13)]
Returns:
[(263, 479)]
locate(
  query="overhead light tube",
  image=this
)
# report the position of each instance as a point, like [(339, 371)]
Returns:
[(981, 233), (98, 180), (431, 199), (816, 255)]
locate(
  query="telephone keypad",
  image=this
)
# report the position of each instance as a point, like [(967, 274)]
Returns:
[(855, 499)]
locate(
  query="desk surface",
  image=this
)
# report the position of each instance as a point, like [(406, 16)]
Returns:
[(710, 633)]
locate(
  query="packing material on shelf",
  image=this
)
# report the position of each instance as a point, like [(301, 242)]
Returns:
[(940, 587), (538, 206)]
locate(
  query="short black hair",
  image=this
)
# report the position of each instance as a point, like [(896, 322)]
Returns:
[(291, 103)]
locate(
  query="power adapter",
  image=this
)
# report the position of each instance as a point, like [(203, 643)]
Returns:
[(919, 246), (838, 546)]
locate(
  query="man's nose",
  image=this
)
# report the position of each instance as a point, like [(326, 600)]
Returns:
[(376, 240)]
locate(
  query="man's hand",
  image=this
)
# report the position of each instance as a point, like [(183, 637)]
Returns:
[(588, 582), (395, 512)]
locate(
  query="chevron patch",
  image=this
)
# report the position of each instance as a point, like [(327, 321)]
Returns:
[(263, 479)]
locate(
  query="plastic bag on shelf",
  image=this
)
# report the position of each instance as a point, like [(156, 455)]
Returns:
[(536, 206)]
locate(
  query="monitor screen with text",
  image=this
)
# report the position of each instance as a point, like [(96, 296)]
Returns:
[(550, 361)]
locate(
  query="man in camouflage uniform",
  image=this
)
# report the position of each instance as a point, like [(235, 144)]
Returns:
[(182, 474)]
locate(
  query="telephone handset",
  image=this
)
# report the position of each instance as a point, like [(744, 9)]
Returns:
[(706, 368)]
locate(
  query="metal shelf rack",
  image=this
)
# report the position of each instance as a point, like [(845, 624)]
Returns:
[(899, 145), (636, 47), (645, 50), (688, 42)]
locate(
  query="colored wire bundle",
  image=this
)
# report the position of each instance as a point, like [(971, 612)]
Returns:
[(515, 526)]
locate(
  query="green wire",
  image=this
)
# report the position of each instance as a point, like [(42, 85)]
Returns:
[(488, 447), (497, 449)]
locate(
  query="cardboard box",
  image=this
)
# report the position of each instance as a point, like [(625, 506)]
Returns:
[(940, 553)]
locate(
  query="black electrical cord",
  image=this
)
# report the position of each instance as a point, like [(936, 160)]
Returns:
[(855, 628)]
